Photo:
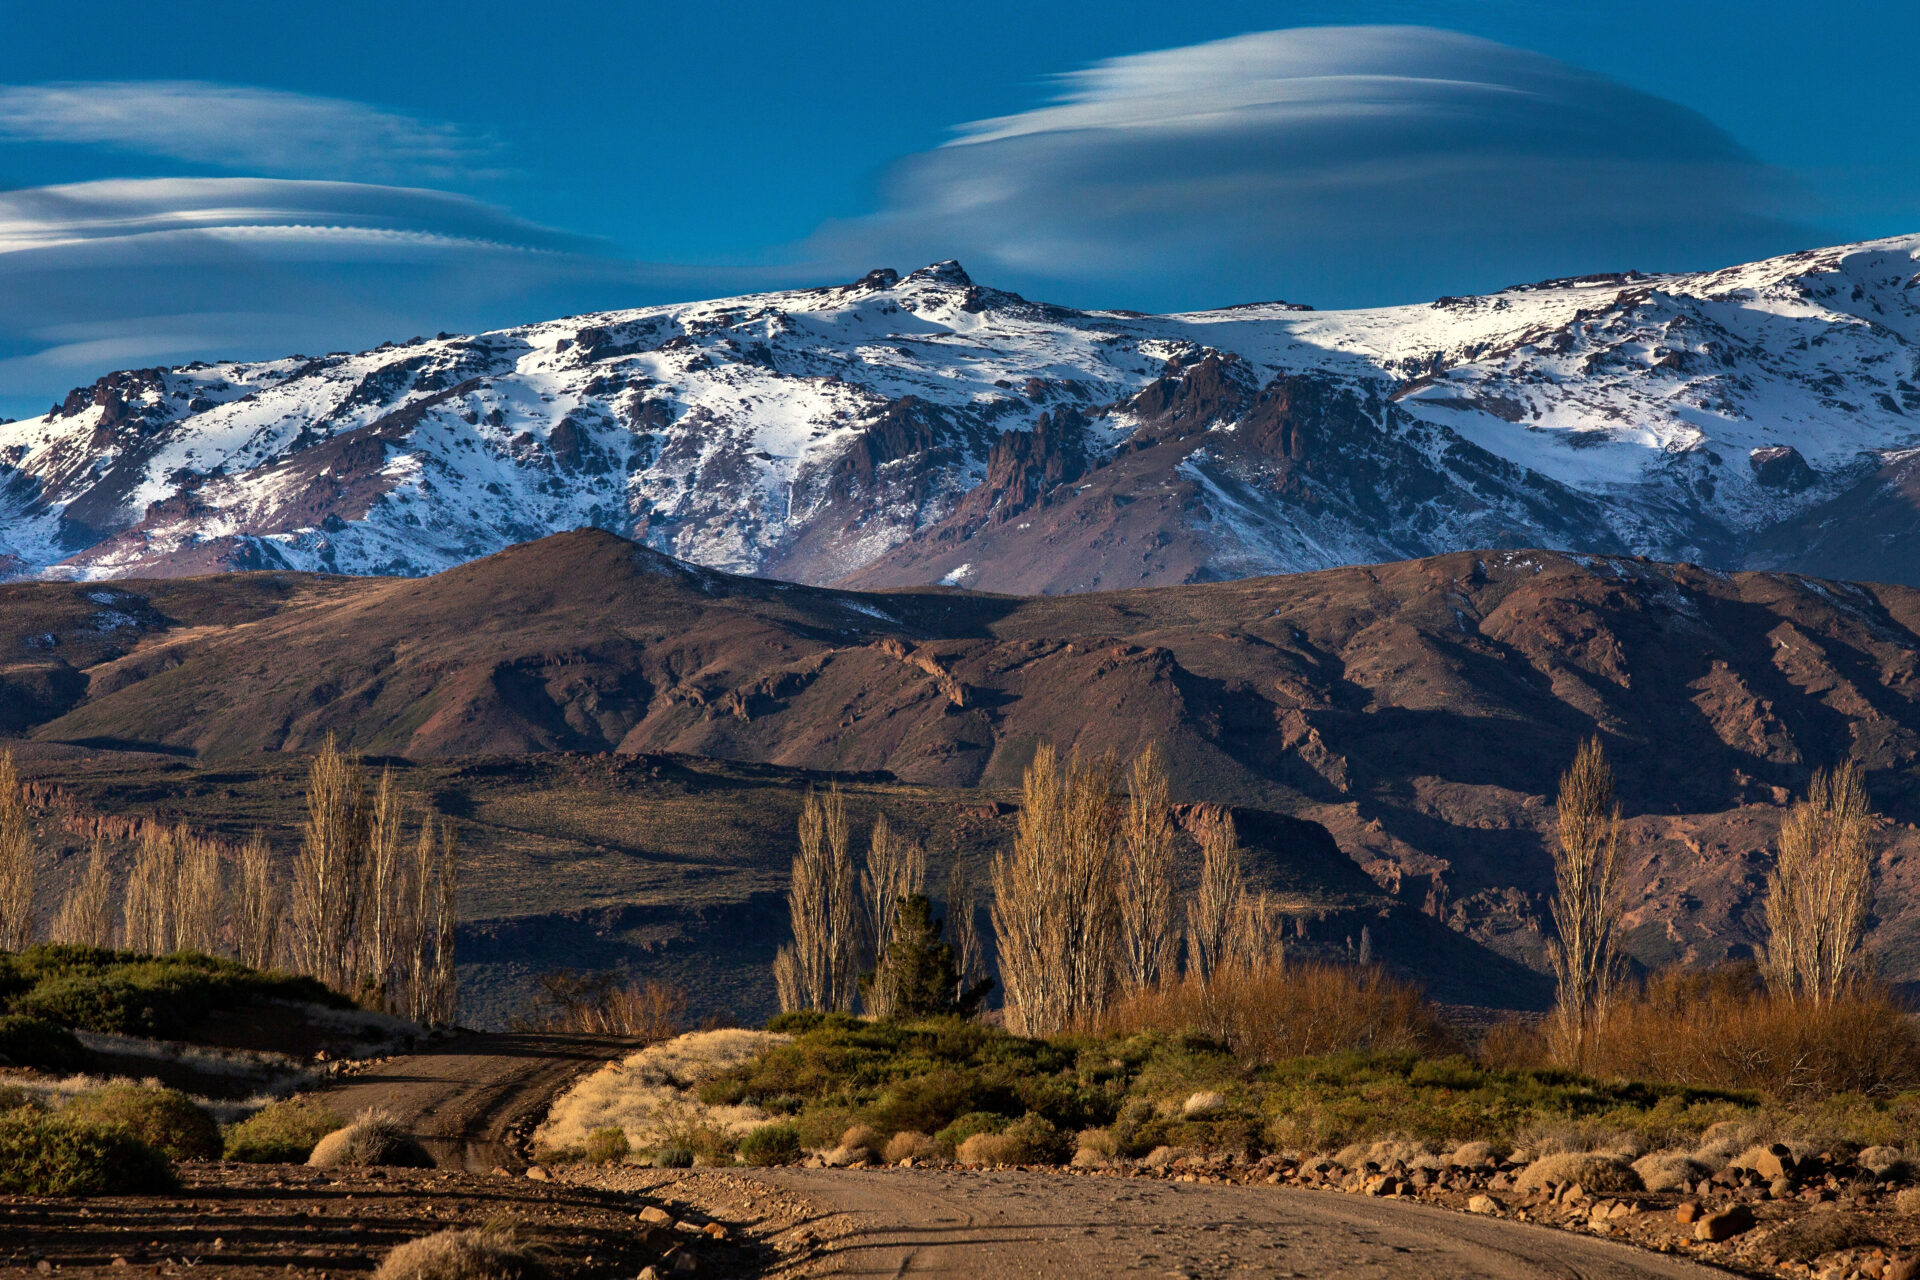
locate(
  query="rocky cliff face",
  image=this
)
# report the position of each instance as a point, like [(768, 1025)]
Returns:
[(902, 430)]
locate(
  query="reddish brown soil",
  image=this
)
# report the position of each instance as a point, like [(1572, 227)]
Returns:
[(251, 1221)]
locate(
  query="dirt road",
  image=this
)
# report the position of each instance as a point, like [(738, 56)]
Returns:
[(1012, 1224), (1003, 1225), (473, 1100)]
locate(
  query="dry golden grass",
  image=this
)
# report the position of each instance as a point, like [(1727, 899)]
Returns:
[(651, 1096), (373, 1139), (1272, 1014)]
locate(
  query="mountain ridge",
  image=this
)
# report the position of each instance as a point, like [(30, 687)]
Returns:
[(1419, 711), (902, 430)]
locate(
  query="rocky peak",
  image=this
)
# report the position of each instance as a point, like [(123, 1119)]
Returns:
[(948, 272)]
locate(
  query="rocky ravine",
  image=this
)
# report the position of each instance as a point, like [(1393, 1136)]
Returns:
[(906, 430), (1419, 711)]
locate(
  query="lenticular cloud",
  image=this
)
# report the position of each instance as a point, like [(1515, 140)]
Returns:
[(1342, 165)]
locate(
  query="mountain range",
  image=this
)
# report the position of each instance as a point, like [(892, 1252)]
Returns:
[(922, 429), (1419, 713)]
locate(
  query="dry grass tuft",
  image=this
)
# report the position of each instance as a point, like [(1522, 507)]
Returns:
[(461, 1255), (1815, 1234), (911, 1144), (373, 1139), (1670, 1170), (991, 1148), (1593, 1171), (1276, 1014)]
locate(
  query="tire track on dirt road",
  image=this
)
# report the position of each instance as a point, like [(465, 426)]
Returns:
[(474, 1100)]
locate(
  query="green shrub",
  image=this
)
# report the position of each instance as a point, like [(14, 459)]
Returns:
[(164, 1119), (605, 1146), (46, 1046), (282, 1132), (966, 1127), (771, 1144), (91, 989), (673, 1158), (1040, 1142), (50, 1155)]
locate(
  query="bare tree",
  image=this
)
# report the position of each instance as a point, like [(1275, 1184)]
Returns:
[(86, 916), (328, 874), (443, 1004), (1215, 910), (385, 915), (1820, 888), (1149, 939), (1256, 942), (896, 867), (1055, 916), (200, 899), (147, 907), (1586, 905), (258, 909), (962, 930), (821, 969), (16, 860)]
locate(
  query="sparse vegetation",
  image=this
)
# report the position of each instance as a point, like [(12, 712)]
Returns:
[(282, 1132), (1724, 1029), (601, 1004), (652, 1097), (1268, 1014)]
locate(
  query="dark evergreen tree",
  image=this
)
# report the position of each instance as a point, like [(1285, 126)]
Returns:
[(922, 972)]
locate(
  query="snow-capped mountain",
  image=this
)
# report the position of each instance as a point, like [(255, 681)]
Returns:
[(923, 428)]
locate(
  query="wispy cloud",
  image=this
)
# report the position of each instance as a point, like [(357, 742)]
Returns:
[(236, 127), (103, 275), (1338, 165)]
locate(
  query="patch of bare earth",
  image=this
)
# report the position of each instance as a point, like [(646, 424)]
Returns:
[(242, 1222)]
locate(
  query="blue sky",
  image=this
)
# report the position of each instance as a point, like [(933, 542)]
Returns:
[(252, 179)]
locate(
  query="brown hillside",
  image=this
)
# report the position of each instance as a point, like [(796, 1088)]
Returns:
[(1420, 710)]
